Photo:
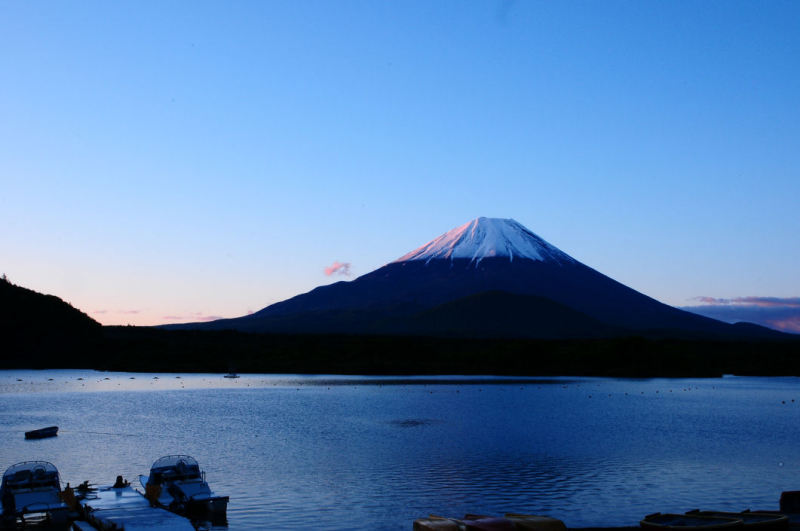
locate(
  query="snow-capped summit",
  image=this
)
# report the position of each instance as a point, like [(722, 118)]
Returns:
[(487, 238)]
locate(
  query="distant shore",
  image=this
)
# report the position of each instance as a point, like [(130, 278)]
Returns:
[(143, 349)]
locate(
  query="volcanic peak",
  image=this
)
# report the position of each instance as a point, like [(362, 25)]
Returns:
[(487, 238)]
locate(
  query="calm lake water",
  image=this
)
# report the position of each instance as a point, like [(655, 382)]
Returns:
[(355, 452)]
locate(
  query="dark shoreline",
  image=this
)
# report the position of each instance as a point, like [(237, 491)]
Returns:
[(143, 349)]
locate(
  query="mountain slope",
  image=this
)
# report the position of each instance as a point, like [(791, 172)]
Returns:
[(502, 314), (483, 255), (22, 308)]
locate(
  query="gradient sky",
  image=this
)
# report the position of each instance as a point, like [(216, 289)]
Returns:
[(174, 161)]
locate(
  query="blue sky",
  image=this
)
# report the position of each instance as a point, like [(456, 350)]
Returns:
[(164, 161)]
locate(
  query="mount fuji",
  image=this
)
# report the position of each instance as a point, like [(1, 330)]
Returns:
[(487, 278)]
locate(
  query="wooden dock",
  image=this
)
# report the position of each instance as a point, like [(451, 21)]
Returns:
[(125, 508)]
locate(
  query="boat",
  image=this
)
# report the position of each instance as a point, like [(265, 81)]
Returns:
[(470, 522), (536, 522), (687, 522), (476, 522), (31, 494), (790, 502), (50, 431), (177, 484), (752, 520)]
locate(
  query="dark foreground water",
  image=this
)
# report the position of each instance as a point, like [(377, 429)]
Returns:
[(349, 453)]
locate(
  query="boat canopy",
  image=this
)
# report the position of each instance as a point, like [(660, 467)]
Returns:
[(31, 474), (173, 467), (172, 461)]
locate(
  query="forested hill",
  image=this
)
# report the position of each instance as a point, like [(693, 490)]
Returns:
[(35, 323)]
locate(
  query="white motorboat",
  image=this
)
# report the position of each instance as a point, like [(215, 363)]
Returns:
[(177, 484), (31, 492)]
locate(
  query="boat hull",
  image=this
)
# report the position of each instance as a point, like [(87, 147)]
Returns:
[(42, 433), (752, 520), (689, 522), (214, 510)]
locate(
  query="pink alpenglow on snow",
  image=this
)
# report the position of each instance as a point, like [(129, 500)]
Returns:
[(487, 238)]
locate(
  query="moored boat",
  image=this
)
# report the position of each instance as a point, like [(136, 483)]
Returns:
[(31, 492), (474, 522), (751, 520), (536, 522), (41, 433), (177, 484), (470, 522), (687, 522)]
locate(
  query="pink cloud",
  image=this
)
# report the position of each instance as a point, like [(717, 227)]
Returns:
[(710, 300), (192, 316), (790, 324), (770, 302), (779, 313), (339, 268), (764, 302), (123, 312), (210, 318)]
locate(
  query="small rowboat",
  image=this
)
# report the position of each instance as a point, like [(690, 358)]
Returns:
[(50, 431), (31, 492)]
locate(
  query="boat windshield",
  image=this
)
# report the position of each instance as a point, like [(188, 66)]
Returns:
[(31, 474), (174, 467)]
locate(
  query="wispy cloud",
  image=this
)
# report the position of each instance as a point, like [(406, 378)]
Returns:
[(780, 313), (338, 268), (100, 311), (192, 317), (790, 324), (767, 302), (210, 317)]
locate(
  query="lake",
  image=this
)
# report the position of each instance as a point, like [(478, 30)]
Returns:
[(371, 452)]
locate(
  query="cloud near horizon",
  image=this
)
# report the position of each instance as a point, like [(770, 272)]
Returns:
[(768, 302), (192, 317), (339, 268), (779, 313)]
